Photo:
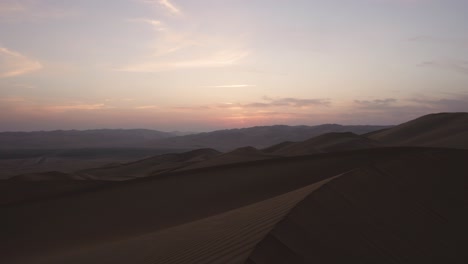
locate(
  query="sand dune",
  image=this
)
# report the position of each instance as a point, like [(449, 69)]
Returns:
[(129, 209), (15, 192), (402, 210), (239, 155), (43, 176), (349, 202), (326, 143), (225, 238), (149, 166), (437, 130), (124, 211), (27, 161), (277, 147)]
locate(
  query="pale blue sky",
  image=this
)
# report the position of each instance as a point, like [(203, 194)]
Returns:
[(210, 64)]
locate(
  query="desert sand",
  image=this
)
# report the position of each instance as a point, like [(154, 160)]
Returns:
[(355, 199)]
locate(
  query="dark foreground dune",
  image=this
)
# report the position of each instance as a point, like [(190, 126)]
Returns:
[(390, 205), (404, 210)]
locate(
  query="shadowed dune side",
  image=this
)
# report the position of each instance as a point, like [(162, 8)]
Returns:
[(150, 166), (239, 155), (404, 210), (277, 147), (14, 192), (13, 167), (43, 176), (326, 143), (225, 238), (124, 210), (449, 130)]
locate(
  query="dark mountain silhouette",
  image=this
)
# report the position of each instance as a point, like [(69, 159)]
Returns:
[(258, 137), (61, 139)]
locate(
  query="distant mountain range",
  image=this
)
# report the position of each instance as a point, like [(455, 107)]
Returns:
[(223, 140), (63, 139)]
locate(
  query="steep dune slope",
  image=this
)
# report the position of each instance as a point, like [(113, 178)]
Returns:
[(126, 210), (225, 238), (403, 210), (239, 155), (437, 130), (326, 143), (150, 166)]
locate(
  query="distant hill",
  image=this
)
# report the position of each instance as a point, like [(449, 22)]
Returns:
[(149, 166), (224, 140), (326, 143), (258, 137), (244, 154), (448, 130), (61, 139)]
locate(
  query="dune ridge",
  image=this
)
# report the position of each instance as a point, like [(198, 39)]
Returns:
[(449, 130), (133, 208), (225, 238), (402, 210)]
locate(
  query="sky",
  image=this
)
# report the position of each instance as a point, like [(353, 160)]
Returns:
[(215, 64)]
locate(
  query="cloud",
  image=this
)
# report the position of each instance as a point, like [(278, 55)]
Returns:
[(445, 104), (166, 4), (453, 41), (20, 10), (10, 7), (293, 102), (170, 6), (267, 103), (156, 24), (13, 63), (182, 46), (460, 66), (61, 108), (219, 59), (377, 103), (147, 107), (231, 86)]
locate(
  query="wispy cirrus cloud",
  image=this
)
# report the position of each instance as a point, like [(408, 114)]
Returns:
[(9, 7), (71, 107), (147, 107), (170, 6), (376, 103), (231, 86), (20, 10), (181, 46), (459, 104), (266, 103), (220, 59), (36, 105), (166, 4), (460, 66), (156, 24), (13, 63), (296, 102)]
